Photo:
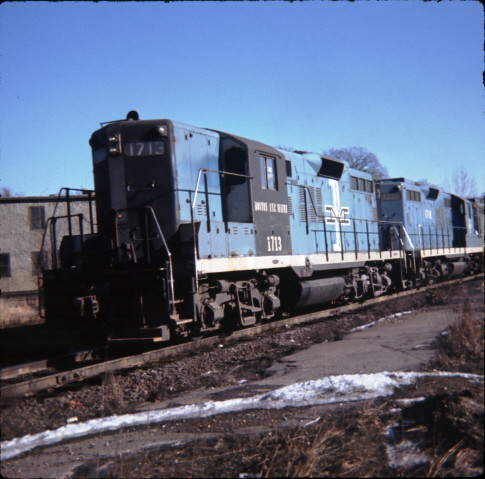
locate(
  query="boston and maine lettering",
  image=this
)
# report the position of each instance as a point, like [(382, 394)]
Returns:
[(270, 207)]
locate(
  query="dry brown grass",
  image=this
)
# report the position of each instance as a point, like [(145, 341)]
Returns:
[(113, 396), (333, 448), (16, 314), (462, 348)]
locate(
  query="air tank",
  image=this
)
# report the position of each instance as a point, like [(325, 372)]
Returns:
[(456, 269)]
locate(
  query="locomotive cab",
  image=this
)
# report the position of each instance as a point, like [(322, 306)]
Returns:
[(258, 196)]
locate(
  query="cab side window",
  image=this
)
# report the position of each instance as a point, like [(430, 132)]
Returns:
[(236, 198), (268, 172)]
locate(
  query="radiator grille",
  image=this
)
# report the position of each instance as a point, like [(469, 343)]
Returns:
[(290, 206), (314, 207)]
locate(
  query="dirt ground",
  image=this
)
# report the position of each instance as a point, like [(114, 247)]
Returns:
[(343, 439)]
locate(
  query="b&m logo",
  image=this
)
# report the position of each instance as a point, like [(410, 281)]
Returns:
[(337, 214)]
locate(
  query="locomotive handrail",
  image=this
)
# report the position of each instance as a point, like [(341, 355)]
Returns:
[(53, 222), (169, 255), (69, 215), (412, 246), (192, 215), (319, 215), (391, 224), (445, 234), (68, 204), (406, 235), (53, 252), (165, 245), (205, 170)]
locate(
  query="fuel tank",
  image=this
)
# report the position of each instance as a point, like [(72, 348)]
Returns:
[(319, 291)]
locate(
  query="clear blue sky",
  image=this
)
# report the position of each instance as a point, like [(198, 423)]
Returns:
[(402, 79)]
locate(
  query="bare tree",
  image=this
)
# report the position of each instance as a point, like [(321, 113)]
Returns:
[(462, 184), (360, 159), (6, 192)]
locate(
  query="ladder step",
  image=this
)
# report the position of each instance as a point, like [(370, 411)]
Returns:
[(248, 320), (183, 321), (253, 309), (135, 340), (152, 335)]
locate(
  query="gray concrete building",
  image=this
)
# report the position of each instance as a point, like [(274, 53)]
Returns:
[(26, 237)]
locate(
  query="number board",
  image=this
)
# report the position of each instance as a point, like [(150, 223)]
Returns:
[(144, 148)]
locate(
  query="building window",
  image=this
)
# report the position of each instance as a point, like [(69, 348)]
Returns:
[(5, 271), (413, 195), (37, 217), (361, 184), (268, 172), (39, 261)]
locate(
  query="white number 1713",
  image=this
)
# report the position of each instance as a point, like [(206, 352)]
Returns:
[(274, 243)]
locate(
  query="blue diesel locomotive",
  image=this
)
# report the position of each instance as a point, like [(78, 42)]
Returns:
[(199, 230)]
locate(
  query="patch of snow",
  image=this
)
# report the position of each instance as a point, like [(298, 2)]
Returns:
[(380, 320), (405, 454), (409, 401), (347, 387)]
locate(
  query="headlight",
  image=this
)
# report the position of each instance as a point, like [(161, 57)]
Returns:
[(161, 130), (114, 144)]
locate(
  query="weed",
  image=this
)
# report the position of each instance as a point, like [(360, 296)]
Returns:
[(461, 348), (113, 396)]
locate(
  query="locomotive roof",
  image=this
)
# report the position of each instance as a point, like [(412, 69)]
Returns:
[(253, 144), (426, 187)]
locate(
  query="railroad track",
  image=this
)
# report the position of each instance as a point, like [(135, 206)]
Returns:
[(51, 364), (65, 377)]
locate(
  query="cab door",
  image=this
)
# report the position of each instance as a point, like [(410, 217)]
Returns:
[(235, 186), (254, 195), (270, 203), (458, 221)]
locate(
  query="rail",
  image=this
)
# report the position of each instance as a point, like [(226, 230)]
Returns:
[(63, 378), (13, 372)]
